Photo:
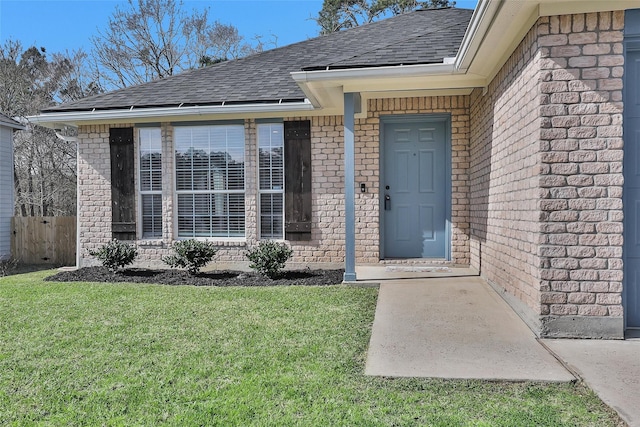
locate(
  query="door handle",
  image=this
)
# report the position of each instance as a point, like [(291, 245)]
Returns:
[(387, 202)]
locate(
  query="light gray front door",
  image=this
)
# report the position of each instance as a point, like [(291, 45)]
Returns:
[(631, 168), (414, 189)]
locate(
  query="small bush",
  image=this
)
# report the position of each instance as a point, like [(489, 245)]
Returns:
[(191, 254), (269, 257), (115, 254)]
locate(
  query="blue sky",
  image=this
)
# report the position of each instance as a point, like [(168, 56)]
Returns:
[(60, 25)]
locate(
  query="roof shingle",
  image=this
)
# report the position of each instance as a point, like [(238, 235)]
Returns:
[(419, 37)]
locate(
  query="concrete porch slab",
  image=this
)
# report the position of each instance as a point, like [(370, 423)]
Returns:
[(610, 368), (396, 272), (456, 327)]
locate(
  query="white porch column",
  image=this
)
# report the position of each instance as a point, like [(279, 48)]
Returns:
[(351, 103)]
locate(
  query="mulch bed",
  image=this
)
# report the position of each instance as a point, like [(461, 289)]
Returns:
[(208, 278)]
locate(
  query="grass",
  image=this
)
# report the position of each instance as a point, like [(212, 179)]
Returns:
[(123, 354)]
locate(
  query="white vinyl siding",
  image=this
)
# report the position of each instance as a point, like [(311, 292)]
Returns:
[(210, 181), (150, 179), (271, 177), (6, 190)]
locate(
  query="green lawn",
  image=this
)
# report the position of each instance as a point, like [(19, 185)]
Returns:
[(122, 354)]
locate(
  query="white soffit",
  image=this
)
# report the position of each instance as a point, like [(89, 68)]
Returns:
[(551, 8), (326, 87)]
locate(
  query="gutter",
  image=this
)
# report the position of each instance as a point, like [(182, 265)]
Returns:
[(13, 125), (481, 21), (373, 72), (150, 113)]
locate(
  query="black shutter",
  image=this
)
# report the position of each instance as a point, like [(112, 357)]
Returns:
[(123, 220), (297, 178)]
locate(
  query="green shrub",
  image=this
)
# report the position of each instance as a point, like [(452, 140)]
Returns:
[(269, 257), (191, 254), (115, 254)]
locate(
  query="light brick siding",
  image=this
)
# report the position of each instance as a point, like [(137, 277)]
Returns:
[(581, 164), (94, 188), (546, 216), (505, 135), (327, 132)]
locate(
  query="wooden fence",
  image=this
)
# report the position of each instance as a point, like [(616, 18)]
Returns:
[(44, 240)]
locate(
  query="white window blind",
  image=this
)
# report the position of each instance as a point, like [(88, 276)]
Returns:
[(271, 176), (210, 181), (150, 181)]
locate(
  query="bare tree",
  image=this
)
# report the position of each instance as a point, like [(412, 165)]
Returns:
[(45, 175), (151, 39), (73, 76), (337, 15)]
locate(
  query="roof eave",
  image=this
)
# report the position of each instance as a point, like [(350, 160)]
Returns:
[(481, 21), (73, 118), (325, 88), (372, 72), (495, 29), (12, 124), (487, 50)]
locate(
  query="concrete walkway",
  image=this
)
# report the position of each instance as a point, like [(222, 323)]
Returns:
[(459, 327), (610, 368), (454, 327)]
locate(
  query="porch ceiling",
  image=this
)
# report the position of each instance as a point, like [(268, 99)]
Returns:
[(325, 89)]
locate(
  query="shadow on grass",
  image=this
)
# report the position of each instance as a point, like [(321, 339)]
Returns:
[(9, 269)]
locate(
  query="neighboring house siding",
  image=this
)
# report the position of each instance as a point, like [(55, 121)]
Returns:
[(6, 190), (547, 176)]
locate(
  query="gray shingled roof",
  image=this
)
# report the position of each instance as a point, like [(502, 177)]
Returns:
[(420, 37)]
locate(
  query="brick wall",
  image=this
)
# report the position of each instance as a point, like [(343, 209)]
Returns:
[(327, 133), (94, 188), (327, 171), (546, 173), (581, 164), (505, 129)]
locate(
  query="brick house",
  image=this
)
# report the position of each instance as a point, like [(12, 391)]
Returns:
[(491, 139), (7, 127)]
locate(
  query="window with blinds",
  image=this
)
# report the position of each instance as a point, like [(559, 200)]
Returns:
[(150, 141), (210, 180), (271, 176)]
